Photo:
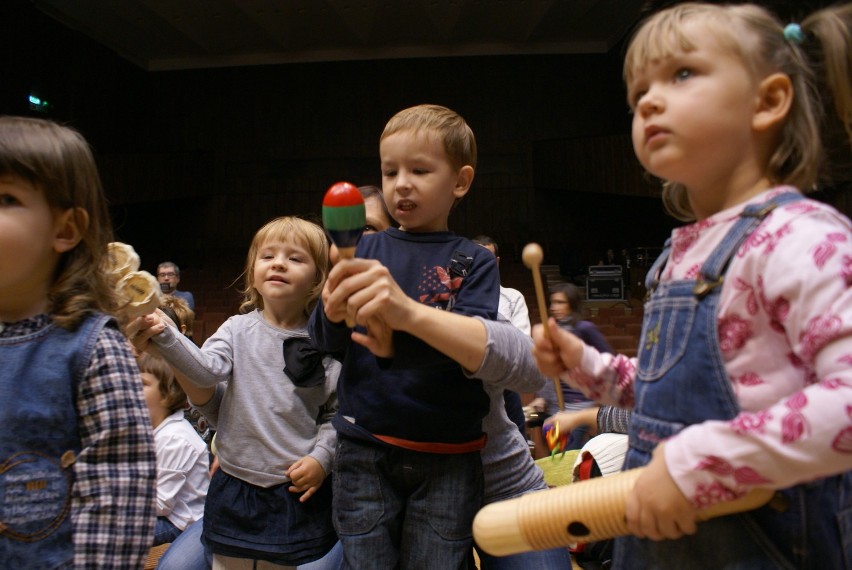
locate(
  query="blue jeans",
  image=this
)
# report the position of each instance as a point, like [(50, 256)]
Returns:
[(165, 531), (189, 553), (396, 508), (553, 559)]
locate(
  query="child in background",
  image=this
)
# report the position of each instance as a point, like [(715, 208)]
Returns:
[(274, 440), (566, 307), (185, 316), (408, 475), (76, 447), (513, 308), (376, 215), (744, 369), (183, 470)]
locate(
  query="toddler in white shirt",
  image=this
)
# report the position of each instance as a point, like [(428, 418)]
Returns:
[(183, 466)]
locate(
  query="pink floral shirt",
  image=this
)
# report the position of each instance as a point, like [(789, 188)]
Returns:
[(785, 333)]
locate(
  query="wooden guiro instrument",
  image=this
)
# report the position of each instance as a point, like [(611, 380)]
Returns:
[(586, 511)]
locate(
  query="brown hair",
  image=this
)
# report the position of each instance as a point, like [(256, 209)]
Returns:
[(307, 234), (57, 160), (173, 395), (757, 37), (572, 294), (185, 315), (451, 128)]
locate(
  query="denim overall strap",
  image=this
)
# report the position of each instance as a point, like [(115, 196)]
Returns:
[(40, 440), (653, 275), (716, 264), (681, 377), (681, 380)]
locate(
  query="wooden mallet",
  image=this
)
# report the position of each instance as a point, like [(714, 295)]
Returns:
[(532, 257)]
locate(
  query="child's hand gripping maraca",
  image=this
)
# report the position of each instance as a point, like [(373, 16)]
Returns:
[(344, 217)]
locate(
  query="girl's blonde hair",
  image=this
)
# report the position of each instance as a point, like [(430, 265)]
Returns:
[(757, 37), (449, 126), (57, 160), (288, 228)]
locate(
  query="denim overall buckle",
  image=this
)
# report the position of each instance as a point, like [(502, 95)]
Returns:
[(703, 287)]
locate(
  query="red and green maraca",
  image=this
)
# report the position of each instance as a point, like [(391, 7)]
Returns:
[(344, 217)]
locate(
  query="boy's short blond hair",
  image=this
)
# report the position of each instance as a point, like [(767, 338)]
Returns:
[(451, 128)]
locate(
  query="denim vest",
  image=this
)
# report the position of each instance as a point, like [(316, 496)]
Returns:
[(39, 442), (681, 380)]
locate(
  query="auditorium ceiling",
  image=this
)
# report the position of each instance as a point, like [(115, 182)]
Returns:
[(162, 35)]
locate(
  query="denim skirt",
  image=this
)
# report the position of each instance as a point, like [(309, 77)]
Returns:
[(267, 523)]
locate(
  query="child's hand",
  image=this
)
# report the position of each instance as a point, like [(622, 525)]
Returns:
[(561, 352), (140, 330), (343, 281), (379, 338), (363, 289), (656, 508), (307, 475), (569, 421)]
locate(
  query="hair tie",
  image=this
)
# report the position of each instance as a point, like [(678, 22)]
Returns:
[(793, 33)]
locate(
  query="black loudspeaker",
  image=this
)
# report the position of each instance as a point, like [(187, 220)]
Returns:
[(604, 288)]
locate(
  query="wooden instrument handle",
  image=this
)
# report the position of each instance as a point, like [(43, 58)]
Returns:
[(532, 257)]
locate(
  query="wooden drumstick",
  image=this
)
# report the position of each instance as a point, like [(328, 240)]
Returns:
[(532, 257), (586, 511)]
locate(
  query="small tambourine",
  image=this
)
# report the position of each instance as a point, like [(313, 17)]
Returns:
[(138, 292)]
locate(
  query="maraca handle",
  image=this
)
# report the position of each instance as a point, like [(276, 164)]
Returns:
[(587, 511)]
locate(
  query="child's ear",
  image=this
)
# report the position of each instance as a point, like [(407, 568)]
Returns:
[(463, 181), (69, 227), (774, 97)]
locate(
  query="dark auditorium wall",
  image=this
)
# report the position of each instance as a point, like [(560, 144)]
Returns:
[(195, 161)]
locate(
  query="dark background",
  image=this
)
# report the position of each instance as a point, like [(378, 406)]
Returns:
[(195, 161)]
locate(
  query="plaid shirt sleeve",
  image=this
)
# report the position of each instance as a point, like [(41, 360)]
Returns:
[(114, 495)]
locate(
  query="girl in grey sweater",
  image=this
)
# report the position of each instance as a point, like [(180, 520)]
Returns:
[(275, 396)]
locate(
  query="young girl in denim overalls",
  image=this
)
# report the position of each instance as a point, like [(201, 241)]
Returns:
[(744, 372)]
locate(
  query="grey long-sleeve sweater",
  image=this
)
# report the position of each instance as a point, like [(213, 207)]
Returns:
[(507, 466), (265, 422)]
